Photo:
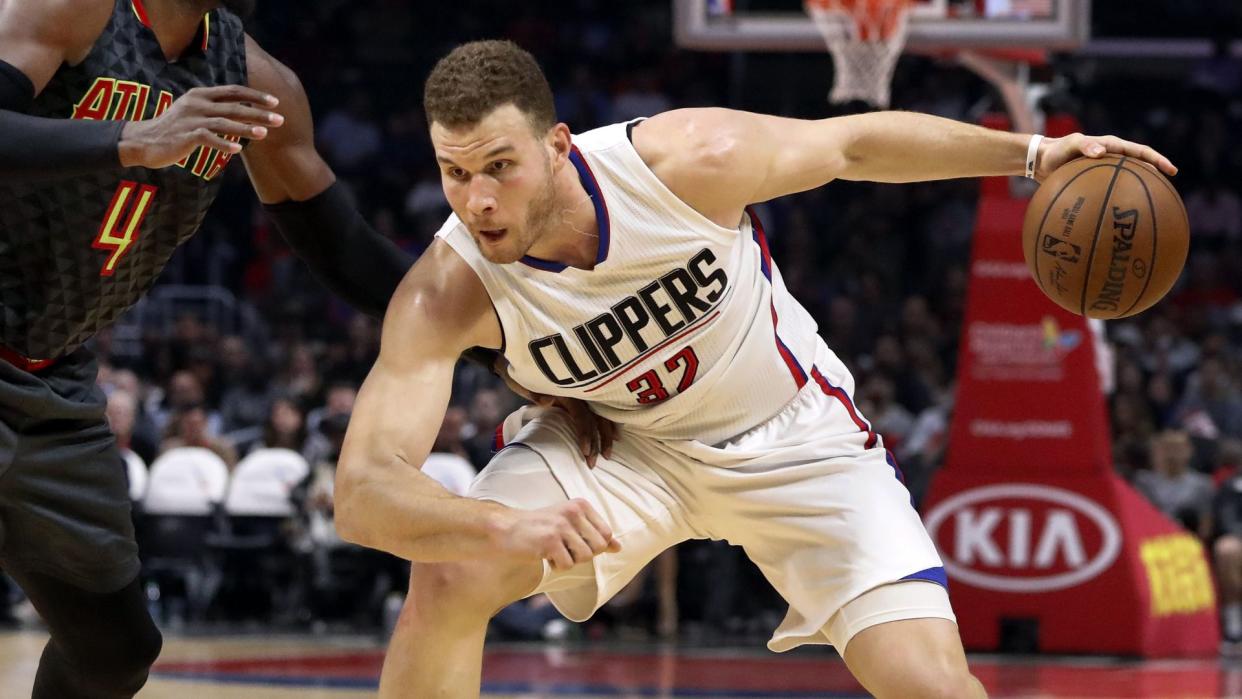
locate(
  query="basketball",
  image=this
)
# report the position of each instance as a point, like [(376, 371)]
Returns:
[(1106, 237)]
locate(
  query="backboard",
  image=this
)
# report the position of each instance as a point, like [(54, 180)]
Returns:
[(783, 25)]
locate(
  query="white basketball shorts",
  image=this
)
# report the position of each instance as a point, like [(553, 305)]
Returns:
[(824, 517)]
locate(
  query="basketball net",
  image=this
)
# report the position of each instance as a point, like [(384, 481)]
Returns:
[(865, 38)]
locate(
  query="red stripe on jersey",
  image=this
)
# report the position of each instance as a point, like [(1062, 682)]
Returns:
[(765, 265), (791, 362), (142, 13), (840, 394)]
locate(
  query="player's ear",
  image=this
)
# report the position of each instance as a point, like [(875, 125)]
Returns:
[(559, 141)]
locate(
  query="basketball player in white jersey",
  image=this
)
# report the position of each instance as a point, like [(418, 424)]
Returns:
[(622, 267)]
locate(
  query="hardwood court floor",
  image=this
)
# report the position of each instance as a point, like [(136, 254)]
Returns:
[(311, 667)]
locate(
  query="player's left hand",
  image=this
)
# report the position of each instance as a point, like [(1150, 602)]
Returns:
[(1055, 152)]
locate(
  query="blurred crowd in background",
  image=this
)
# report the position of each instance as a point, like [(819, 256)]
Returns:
[(241, 349)]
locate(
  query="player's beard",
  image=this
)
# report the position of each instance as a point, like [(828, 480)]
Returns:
[(537, 223), (539, 215)]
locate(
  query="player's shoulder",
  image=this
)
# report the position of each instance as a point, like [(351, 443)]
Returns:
[(443, 295), (70, 13), (71, 24), (269, 75), (696, 153), (695, 138)]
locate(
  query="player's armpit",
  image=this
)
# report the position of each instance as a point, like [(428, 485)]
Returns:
[(382, 499)]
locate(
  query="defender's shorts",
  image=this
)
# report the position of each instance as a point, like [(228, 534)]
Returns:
[(64, 492)]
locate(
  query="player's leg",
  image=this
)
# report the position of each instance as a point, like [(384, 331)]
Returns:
[(822, 512), (102, 645), (67, 536), (437, 646), (909, 656)]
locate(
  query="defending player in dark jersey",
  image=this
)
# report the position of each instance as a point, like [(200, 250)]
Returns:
[(118, 118)]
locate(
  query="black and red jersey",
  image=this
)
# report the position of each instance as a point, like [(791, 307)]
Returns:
[(75, 253)]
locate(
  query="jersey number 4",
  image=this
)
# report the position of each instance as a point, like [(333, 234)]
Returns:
[(119, 230), (650, 388)]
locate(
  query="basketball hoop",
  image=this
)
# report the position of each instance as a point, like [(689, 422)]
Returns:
[(865, 38), (1009, 71)]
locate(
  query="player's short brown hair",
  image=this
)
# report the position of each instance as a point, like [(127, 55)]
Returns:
[(476, 78)]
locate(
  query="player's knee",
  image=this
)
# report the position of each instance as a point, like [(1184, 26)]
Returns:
[(134, 663), (116, 661), (470, 588), (942, 681)]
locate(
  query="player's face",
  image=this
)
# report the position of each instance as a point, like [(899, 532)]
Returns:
[(497, 177)]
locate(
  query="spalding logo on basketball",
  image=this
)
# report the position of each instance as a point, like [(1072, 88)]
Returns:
[(1023, 537), (1106, 237)]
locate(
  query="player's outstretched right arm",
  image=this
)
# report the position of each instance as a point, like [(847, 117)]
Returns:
[(383, 500), (36, 38)]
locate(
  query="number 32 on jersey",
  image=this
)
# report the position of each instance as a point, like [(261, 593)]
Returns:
[(650, 388), (122, 221)]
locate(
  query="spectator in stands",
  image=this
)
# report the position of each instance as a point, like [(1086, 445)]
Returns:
[(1176, 490), (190, 429), (122, 414), (1166, 348), (447, 464), (349, 136), (1211, 390), (912, 391), (1131, 416), (144, 438), (351, 361), (248, 403), (485, 417), (284, 428), (888, 417), (184, 391), (300, 378), (1215, 213), (1227, 554), (1161, 399), (338, 404), (1228, 461), (234, 358), (920, 454)]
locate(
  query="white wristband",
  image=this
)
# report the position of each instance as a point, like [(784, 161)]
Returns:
[(1032, 152)]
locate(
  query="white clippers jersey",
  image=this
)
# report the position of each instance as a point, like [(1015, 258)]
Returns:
[(683, 330)]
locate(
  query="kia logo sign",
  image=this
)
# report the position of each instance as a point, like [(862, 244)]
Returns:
[(1023, 537)]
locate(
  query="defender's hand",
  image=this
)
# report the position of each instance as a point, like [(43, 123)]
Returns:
[(1055, 152), (595, 434), (564, 534), (204, 116)]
